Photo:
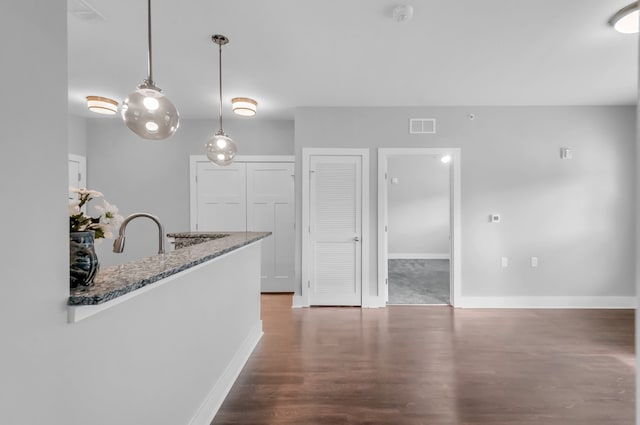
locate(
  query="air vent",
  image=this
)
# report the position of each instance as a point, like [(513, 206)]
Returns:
[(422, 126), (83, 10)]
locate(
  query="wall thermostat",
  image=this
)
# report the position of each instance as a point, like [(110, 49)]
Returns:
[(494, 218)]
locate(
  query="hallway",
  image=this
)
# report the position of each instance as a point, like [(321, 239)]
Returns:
[(436, 365)]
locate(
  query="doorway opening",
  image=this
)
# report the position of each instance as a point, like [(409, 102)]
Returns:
[(419, 225)]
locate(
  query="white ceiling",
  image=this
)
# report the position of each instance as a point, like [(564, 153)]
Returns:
[(290, 53)]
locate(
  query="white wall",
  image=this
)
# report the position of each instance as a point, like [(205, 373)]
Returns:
[(37, 344), (77, 135), (146, 176), (131, 365), (576, 215), (637, 258), (418, 206)]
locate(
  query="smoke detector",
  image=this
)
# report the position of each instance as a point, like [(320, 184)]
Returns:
[(403, 13)]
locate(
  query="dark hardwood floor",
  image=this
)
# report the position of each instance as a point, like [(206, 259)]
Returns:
[(419, 365)]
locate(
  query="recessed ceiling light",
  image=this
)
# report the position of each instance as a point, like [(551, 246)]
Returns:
[(446, 159), (626, 20), (244, 106), (102, 105)]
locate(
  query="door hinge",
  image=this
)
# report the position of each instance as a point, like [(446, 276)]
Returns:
[(309, 229), (386, 176), (79, 177), (386, 229), (386, 281), (196, 178), (308, 284)]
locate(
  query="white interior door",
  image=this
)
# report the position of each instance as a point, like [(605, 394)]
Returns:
[(221, 202), (335, 230), (270, 208), (77, 173)]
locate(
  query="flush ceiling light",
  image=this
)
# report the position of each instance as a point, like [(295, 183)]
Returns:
[(403, 13), (626, 20), (220, 148), (147, 112), (102, 105), (244, 106)]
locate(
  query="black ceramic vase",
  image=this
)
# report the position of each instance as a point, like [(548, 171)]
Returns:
[(83, 261)]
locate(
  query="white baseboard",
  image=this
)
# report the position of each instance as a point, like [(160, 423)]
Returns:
[(374, 302), (299, 302), (221, 388), (367, 302), (628, 302), (548, 302), (419, 256)]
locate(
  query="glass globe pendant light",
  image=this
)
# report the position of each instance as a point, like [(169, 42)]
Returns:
[(147, 112), (220, 148)]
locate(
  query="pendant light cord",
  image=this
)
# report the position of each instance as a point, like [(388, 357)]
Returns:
[(220, 81), (149, 69)]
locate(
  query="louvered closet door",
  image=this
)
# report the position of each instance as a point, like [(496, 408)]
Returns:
[(270, 208), (335, 230), (221, 198)]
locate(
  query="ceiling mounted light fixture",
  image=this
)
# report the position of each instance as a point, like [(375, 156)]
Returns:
[(244, 106), (102, 105), (147, 112), (403, 13), (626, 20), (220, 148)]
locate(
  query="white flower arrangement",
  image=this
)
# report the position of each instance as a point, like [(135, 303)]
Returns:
[(104, 225)]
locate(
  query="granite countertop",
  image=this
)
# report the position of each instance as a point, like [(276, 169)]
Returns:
[(113, 282), (185, 239)]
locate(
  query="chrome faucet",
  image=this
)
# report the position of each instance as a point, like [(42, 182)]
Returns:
[(118, 244)]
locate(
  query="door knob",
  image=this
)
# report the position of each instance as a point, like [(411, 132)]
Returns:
[(356, 239)]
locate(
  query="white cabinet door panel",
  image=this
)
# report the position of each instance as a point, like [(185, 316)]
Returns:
[(284, 239), (270, 208), (221, 203), (251, 196)]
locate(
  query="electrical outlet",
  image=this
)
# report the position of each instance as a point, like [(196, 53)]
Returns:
[(504, 262), (534, 261)]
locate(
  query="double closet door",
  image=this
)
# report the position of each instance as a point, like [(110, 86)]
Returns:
[(250, 196)]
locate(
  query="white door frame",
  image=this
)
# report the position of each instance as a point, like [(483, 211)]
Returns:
[(82, 165), (455, 282), (306, 198)]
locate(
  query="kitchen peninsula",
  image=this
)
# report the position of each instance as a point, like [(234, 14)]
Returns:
[(193, 248), (188, 319)]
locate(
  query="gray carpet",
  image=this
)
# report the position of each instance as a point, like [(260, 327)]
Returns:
[(418, 281)]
